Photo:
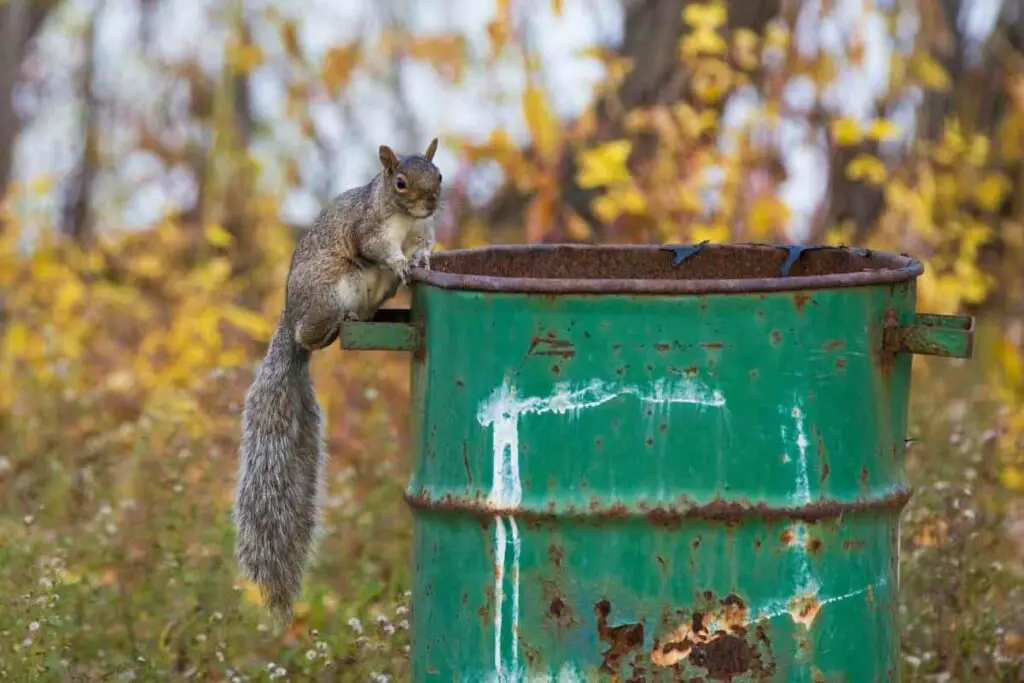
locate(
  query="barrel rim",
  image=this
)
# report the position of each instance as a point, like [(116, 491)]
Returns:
[(902, 268)]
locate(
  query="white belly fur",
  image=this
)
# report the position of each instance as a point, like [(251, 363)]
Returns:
[(374, 283)]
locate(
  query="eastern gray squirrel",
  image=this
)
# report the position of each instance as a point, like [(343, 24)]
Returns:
[(350, 261)]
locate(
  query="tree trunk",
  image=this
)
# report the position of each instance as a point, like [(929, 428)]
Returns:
[(20, 21)]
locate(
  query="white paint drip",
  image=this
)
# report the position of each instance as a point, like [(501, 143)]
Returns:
[(499, 592), (780, 606), (804, 580), (502, 411)]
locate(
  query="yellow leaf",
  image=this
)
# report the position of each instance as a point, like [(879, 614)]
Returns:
[(711, 80), (882, 129), (543, 124), (446, 53), (604, 164), (708, 15), (1011, 362), (339, 63), (990, 192), (16, 340), (290, 39), (253, 324), (929, 72), (744, 48), (715, 232), (703, 41), (867, 168), (217, 235), (776, 36), (243, 57), (577, 228), (1012, 478), (768, 216), (846, 131)]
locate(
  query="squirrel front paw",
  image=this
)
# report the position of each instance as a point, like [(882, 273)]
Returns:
[(401, 268), (421, 258)]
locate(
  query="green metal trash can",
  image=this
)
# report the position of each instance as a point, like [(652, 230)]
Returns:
[(631, 468)]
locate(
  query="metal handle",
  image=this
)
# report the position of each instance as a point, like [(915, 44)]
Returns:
[(950, 336), (391, 329)]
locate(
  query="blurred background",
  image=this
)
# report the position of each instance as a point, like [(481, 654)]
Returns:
[(158, 159)]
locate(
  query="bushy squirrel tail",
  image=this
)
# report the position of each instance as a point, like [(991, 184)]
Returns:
[(280, 479)]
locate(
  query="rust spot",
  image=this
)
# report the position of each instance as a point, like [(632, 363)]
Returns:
[(757, 545), (459, 383), (465, 464), (556, 555), (465, 597), (662, 347), (835, 344), (620, 371), (695, 543), (776, 337), (621, 640), (801, 299), (716, 641), (691, 371), (753, 374), (825, 469), (786, 537), (852, 544), (804, 609), (814, 545), (649, 367), (663, 427), (840, 363), (599, 443), (556, 368), (713, 345), (552, 346), (556, 607), (649, 441), (864, 476), (662, 563)]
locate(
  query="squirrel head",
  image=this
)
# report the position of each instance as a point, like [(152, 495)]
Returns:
[(412, 183)]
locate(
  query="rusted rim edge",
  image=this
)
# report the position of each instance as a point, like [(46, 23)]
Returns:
[(719, 510), (903, 268)]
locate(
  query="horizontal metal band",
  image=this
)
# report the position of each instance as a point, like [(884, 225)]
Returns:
[(666, 515)]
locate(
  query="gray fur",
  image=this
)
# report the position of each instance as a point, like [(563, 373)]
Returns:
[(353, 258)]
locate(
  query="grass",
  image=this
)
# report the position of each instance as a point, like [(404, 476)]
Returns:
[(116, 556)]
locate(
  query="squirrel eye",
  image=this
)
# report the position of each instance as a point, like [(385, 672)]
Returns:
[(400, 182)]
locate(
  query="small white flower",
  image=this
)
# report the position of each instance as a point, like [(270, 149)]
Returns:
[(310, 655), (28, 519), (404, 624), (27, 643), (34, 626), (355, 625)]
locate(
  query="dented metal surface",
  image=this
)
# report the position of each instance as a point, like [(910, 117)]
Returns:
[(696, 476)]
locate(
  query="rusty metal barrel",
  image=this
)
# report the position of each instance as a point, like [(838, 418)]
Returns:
[(640, 463)]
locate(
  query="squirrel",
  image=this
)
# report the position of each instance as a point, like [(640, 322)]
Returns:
[(353, 258)]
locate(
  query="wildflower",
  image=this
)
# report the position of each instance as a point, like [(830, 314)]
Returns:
[(34, 626), (355, 625)]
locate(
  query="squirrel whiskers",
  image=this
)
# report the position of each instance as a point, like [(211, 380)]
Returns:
[(351, 260)]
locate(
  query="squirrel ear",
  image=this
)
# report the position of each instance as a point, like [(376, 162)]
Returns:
[(388, 158), (431, 149)]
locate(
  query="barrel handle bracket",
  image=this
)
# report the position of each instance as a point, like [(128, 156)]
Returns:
[(390, 329), (949, 336)]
